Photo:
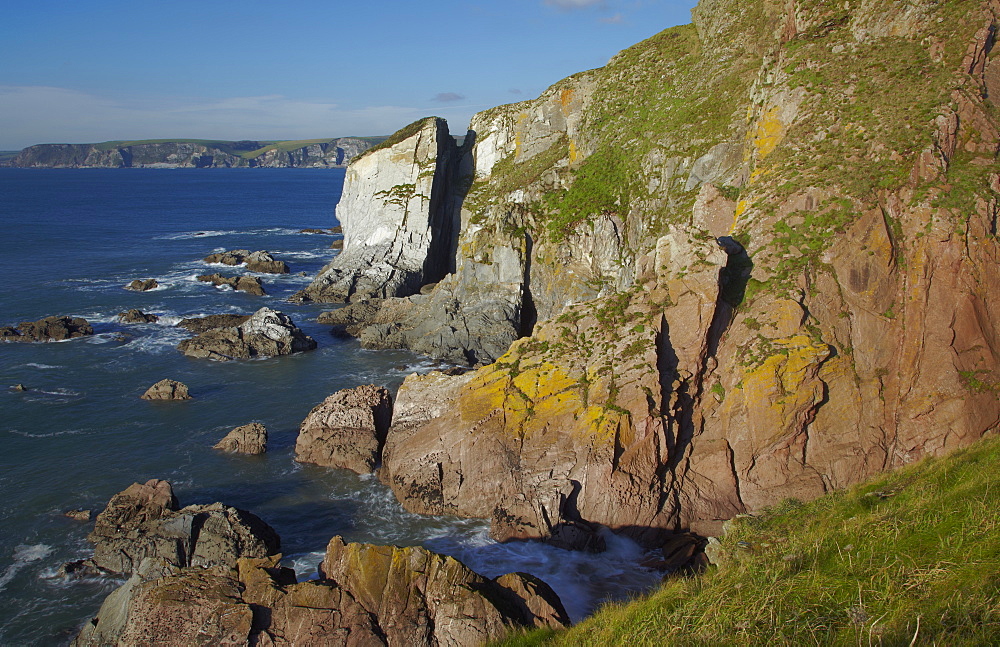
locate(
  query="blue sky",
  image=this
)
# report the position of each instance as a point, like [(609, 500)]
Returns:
[(109, 69)]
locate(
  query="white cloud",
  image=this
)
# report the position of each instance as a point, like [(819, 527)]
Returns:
[(38, 114), (616, 19)]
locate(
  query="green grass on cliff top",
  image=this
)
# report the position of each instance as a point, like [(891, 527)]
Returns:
[(911, 556)]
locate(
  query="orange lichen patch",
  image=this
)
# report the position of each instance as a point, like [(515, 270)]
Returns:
[(741, 208), (770, 132), (574, 154), (565, 99), (542, 381)]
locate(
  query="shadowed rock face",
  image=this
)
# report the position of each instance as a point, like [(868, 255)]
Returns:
[(368, 595), (346, 430), (47, 329), (267, 333)]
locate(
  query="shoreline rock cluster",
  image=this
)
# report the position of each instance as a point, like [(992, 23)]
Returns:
[(55, 328), (266, 333), (214, 572)]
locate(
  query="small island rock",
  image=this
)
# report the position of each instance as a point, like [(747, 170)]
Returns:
[(167, 390), (249, 284), (47, 329), (346, 430), (259, 261), (142, 285), (246, 439), (267, 333), (199, 325), (134, 316)]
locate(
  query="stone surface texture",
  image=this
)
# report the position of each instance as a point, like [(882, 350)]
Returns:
[(245, 439), (48, 329), (346, 430), (167, 389)]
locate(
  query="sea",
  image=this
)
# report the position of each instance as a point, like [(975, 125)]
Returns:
[(79, 432)]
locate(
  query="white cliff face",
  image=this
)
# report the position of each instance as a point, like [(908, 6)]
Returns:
[(394, 217)]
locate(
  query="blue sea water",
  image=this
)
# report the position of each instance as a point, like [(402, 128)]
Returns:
[(71, 240)]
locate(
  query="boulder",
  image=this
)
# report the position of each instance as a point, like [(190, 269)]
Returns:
[(246, 439), (346, 430), (249, 284), (142, 285), (267, 333), (144, 521), (78, 515), (259, 261), (167, 390), (370, 595), (134, 316), (199, 325), (47, 329)]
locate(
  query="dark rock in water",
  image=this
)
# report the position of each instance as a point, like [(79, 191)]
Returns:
[(19, 387), (47, 329), (142, 285), (346, 430), (199, 325), (246, 439), (134, 316), (369, 595), (144, 521), (267, 333), (337, 244), (167, 390), (78, 515), (249, 284), (259, 261)]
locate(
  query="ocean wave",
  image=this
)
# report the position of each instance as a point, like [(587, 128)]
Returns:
[(52, 434), (24, 555), (211, 233), (37, 365)]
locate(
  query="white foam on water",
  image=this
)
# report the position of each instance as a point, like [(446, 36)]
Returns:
[(53, 434), (23, 555), (306, 566), (37, 365), (187, 235)]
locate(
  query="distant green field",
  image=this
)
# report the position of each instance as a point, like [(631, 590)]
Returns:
[(7, 155), (247, 149)]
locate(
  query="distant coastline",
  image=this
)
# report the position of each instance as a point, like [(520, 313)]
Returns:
[(193, 153)]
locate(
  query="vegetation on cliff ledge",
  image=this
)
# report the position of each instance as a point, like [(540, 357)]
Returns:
[(911, 556)]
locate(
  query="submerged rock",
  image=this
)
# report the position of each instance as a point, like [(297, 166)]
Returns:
[(246, 439), (249, 284), (48, 329), (135, 316), (167, 390), (346, 430), (267, 333), (143, 285)]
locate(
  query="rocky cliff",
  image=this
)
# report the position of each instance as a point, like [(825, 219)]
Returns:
[(193, 154), (750, 258)]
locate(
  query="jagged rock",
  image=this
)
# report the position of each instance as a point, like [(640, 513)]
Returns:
[(199, 325), (47, 329), (135, 316), (78, 515), (143, 285), (167, 389), (346, 430), (370, 595), (400, 222), (144, 521), (267, 333), (246, 439), (259, 261), (249, 284)]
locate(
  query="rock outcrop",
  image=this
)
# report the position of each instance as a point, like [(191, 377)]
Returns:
[(368, 595), (267, 333), (249, 284), (259, 261), (346, 430), (134, 316), (47, 329), (167, 389), (245, 439), (199, 325), (194, 154), (142, 285), (399, 216), (145, 521), (726, 302)]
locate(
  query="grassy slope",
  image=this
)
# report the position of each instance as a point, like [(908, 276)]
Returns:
[(861, 566)]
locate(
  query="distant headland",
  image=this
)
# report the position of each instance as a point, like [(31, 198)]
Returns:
[(193, 153)]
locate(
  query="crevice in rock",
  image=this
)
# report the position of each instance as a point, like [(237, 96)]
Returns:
[(529, 313)]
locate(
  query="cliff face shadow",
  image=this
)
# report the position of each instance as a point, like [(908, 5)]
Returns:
[(453, 176)]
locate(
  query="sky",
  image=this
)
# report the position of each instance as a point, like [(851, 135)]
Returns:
[(100, 70)]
